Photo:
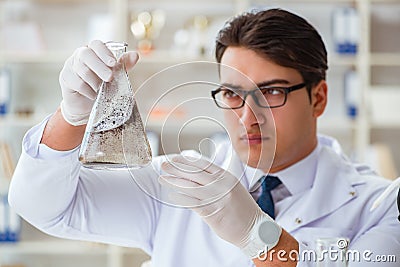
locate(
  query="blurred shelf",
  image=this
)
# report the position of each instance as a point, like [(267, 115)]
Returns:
[(52, 247), (63, 247), (384, 104), (302, 1), (385, 1), (179, 6), (337, 123), (385, 59), (154, 57), (174, 57), (68, 1), (385, 123), (186, 126), (377, 59), (318, 1), (39, 57), (13, 120), (390, 89), (171, 57), (341, 60)]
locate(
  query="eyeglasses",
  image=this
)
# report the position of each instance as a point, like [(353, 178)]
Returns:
[(265, 97)]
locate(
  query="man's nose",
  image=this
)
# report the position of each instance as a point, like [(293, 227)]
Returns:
[(252, 114)]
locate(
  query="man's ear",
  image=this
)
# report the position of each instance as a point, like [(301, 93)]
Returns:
[(319, 98)]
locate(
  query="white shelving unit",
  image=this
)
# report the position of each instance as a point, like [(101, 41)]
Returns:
[(63, 24), (114, 255), (53, 247)]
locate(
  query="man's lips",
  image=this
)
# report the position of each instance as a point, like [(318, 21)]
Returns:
[(253, 138)]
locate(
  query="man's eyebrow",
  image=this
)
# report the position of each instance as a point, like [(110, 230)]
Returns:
[(260, 84), (272, 82), (231, 86)]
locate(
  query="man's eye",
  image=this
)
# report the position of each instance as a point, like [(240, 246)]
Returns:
[(229, 93), (272, 91)]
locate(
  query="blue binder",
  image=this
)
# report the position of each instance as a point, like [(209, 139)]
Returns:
[(10, 222)]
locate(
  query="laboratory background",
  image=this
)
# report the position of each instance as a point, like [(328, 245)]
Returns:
[(175, 39)]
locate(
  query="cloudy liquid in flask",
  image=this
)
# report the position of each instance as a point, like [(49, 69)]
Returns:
[(115, 137)]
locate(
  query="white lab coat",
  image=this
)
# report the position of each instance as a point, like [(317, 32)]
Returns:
[(59, 197)]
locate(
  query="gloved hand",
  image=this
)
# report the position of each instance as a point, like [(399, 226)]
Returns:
[(218, 197), (82, 76)]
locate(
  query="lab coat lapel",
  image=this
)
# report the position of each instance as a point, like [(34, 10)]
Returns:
[(332, 188)]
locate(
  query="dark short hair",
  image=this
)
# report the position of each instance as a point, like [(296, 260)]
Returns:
[(280, 36)]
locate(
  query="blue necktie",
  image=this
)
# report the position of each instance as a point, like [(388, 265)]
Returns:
[(265, 200)]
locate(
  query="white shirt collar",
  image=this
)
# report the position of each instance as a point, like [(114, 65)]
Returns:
[(290, 176), (300, 176)]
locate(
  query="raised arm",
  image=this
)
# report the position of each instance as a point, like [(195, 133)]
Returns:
[(52, 191)]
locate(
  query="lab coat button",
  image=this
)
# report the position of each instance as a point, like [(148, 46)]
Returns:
[(298, 220), (352, 193)]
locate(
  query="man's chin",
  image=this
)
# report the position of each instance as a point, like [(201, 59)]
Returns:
[(264, 165), (259, 156), (257, 159)]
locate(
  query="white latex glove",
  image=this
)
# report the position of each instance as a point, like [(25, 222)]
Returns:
[(82, 76), (218, 197)]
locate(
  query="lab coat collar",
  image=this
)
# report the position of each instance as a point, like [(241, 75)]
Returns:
[(306, 167), (250, 177), (333, 187)]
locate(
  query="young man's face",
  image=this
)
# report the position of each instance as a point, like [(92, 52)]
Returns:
[(256, 132)]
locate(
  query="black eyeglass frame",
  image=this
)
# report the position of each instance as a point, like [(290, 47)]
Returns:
[(252, 93)]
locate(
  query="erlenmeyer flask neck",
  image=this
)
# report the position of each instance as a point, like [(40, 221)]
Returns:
[(117, 48)]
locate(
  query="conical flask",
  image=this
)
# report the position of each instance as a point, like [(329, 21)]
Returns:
[(115, 137)]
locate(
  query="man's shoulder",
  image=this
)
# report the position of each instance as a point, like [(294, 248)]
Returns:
[(359, 175)]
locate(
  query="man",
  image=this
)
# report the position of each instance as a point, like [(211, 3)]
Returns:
[(187, 211)]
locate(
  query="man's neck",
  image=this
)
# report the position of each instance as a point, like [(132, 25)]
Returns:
[(279, 167)]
